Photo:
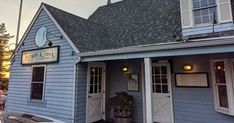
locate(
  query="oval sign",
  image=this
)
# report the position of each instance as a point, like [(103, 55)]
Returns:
[(41, 37)]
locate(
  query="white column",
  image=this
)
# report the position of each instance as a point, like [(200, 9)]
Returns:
[(148, 90)]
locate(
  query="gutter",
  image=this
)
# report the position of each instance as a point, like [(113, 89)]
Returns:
[(164, 46)]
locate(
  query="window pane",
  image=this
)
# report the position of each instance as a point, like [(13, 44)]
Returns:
[(197, 14), (164, 79), (205, 12), (212, 2), (196, 4), (164, 70), (38, 74), (223, 99), (157, 79), (204, 3), (220, 72), (158, 88), (198, 20), (91, 89), (157, 71), (37, 91), (205, 19), (92, 70), (165, 88)]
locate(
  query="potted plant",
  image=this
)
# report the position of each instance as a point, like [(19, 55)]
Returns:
[(123, 105)]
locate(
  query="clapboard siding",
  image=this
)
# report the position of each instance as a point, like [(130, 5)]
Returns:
[(58, 97), (195, 105), (117, 81), (80, 94)]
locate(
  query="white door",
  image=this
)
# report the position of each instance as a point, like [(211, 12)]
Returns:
[(96, 92), (161, 87)]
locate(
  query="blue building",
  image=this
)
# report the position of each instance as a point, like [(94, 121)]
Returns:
[(180, 54)]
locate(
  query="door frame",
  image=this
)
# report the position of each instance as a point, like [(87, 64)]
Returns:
[(103, 88), (166, 63)]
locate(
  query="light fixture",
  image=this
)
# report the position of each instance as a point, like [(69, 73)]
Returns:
[(124, 69), (188, 67), (50, 44)]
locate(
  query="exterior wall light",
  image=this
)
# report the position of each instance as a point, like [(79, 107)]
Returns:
[(124, 69), (188, 67)]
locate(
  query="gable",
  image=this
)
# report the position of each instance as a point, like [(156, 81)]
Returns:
[(38, 19), (58, 80)]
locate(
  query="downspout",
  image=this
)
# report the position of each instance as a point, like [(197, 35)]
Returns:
[(74, 89)]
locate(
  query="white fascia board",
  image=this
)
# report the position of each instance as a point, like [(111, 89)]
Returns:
[(42, 7), (28, 29), (61, 30), (164, 46)]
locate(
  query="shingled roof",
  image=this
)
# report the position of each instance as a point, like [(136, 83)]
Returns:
[(85, 35), (123, 24)]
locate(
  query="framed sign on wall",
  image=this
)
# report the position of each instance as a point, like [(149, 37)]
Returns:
[(39, 56), (197, 80), (133, 82)]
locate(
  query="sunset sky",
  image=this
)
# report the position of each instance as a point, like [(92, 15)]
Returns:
[(9, 10)]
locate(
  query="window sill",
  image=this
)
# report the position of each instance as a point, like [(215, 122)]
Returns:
[(224, 111), (204, 25), (37, 102)]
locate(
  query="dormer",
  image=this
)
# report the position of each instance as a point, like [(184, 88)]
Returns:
[(201, 17)]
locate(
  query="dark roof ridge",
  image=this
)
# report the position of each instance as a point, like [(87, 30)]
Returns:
[(47, 5)]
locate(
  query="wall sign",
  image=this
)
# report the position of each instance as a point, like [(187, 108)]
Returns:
[(38, 56), (133, 84), (41, 37), (192, 80)]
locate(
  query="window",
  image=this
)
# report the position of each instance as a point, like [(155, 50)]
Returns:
[(95, 80), (159, 79), (222, 83), (37, 84), (204, 11)]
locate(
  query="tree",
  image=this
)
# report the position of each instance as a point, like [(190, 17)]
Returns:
[(4, 39)]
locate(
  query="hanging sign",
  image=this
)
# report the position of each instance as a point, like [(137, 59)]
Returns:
[(38, 56)]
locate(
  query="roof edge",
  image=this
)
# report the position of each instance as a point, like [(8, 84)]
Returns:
[(60, 28), (164, 46), (43, 7)]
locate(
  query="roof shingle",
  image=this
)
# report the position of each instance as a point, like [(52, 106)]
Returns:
[(122, 24)]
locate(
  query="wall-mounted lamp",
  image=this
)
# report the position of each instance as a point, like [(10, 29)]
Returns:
[(188, 67), (124, 69), (219, 68), (50, 44)]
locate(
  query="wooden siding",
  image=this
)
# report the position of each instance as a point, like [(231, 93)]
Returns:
[(196, 105), (80, 98), (58, 96), (117, 81)]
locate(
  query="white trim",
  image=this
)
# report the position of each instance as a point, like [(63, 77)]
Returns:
[(165, 46), (74, 89), (42, 7), (219, 12), (228, 66), (148, 88), (61, 30), (44, 82), (143, 91), (166, 63), (103, 65), (29, 28)]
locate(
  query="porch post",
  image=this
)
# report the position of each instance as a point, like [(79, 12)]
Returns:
[(148, 90)]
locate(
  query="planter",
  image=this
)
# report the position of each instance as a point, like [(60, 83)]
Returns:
[(123, 117), (123, 120)]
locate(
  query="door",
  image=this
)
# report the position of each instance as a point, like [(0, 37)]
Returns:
[(96, 92), (161, 87)]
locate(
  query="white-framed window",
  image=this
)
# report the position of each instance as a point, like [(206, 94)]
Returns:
[(37, 82), (196, 13), (204, 11), (223, 79)]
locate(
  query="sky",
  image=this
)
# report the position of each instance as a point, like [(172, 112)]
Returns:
[(9, 10)]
